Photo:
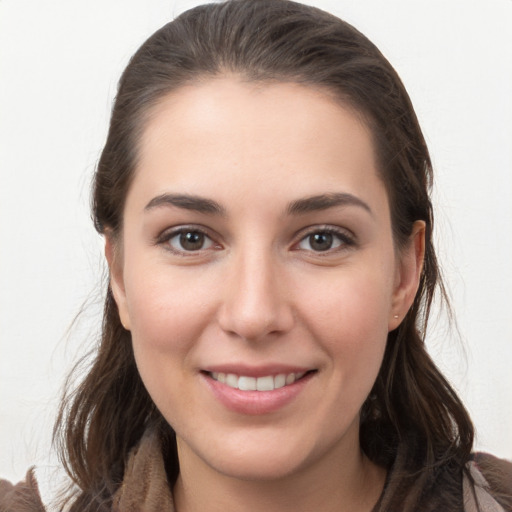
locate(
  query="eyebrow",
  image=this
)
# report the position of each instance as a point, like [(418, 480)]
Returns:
[(187, 202), (300, 206), (324, 202)]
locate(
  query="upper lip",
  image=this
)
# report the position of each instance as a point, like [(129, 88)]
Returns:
[(256, 371)]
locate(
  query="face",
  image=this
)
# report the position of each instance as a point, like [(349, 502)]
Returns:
[(258, 275)]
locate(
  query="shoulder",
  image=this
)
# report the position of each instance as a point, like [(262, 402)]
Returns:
[(498, 472), (494, 475), (22, 497)]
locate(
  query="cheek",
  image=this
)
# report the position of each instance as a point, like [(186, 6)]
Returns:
[(167, 319), (354, 301), (167, 316), (167, 310), (350, 319)]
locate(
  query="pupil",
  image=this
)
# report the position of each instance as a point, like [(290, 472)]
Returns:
[(321, 241), (192, 240)]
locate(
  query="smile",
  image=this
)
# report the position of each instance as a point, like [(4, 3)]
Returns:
[(263, 391), (265, 383)]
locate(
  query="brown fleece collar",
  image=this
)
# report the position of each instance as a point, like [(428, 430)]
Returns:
[(145, 487)]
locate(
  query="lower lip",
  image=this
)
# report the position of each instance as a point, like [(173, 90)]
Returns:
[(255, 402)]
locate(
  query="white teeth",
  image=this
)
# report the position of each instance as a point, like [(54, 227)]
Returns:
[(290, 379), (279, 381), (266, 383), (247, 383), (232, 380)]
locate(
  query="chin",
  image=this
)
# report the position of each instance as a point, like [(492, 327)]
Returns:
[(263, 458), (265, 467)]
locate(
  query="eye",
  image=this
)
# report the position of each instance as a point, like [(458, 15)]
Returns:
[(325, 240), (187, 240), (190, 241)]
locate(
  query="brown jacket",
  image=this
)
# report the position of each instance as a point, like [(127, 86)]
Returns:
[(22, 497), (145, 487)]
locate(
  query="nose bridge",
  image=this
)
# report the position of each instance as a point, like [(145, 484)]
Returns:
[(255, 304)]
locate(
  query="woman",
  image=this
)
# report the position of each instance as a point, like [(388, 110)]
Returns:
[(263, 193)]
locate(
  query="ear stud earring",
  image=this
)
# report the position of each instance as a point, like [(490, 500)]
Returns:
[(395, 316)]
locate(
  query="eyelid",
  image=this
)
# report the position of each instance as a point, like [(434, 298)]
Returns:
[(169, 233), (348, 239)]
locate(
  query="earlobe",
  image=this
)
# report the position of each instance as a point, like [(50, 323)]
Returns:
[(408, 275), (115, 266)]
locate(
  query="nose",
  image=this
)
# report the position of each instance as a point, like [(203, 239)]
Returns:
[(256, 301)]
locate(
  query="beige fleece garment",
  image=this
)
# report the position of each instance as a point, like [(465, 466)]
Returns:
[(145, 487)]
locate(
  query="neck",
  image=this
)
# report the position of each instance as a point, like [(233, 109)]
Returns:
[(339, 482)]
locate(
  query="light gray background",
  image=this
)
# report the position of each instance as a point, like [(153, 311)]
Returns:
[(59, 64)]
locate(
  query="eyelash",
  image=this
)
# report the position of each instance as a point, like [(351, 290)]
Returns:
[(165, 240), (344, 240)]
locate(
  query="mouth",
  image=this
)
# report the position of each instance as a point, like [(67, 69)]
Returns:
[(264, 383), (253, 391)]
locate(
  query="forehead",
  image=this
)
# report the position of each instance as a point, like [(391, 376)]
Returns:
[(281, 136)]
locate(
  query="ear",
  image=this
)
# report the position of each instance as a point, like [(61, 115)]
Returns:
[(408, 275), (115, 266)]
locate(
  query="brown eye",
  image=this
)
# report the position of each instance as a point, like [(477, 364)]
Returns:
[(325, 240), (320, 241), (192, 241), (189, 240)]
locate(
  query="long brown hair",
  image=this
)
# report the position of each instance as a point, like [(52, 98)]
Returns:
[(413, 421)]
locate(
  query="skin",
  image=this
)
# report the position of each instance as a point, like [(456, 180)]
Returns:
[(259, 292)]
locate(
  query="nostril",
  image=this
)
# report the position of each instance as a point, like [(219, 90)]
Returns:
[(255, 325), (253, 305)]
